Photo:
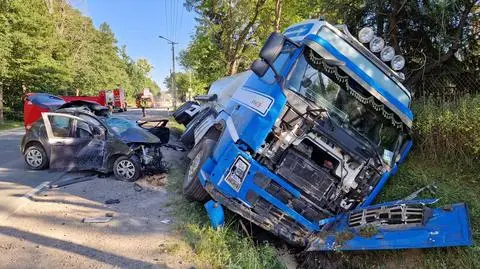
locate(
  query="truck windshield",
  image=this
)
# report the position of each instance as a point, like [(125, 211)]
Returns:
[(350, 106)]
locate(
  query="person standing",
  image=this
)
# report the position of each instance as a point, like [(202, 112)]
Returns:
[(143, 104)]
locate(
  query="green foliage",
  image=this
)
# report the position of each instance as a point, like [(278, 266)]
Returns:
[(184, 82), (48, 46), (450, 132)]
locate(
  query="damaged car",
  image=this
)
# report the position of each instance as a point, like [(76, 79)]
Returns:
[(74, 138), (308, 141)]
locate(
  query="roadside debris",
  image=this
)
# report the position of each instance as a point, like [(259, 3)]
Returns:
[(175, 147), (69, 181), (109, 214), (166, 221), (97, 220), (432, 188), (137, 187), (112, 201), (157, 179)]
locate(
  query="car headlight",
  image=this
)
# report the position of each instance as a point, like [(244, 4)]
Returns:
[(365, 35), (398, 62), (387, 54), (377, 44)]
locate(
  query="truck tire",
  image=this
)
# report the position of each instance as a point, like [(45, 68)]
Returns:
[(192, 188), (127, 168), (188, 136)]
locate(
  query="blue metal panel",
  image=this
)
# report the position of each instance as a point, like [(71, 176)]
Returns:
[(361, 74), (447, 227)]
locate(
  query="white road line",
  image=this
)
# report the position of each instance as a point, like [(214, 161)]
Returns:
[(20, 203)]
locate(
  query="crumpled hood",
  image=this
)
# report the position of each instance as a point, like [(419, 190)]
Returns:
[(138, 135)]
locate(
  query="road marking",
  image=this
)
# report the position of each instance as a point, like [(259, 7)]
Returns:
[(19, 204)]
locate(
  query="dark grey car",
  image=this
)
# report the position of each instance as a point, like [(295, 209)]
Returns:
[(73, 139)]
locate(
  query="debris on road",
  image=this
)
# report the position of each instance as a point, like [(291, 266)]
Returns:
[(109, 214), (97, 220), (112, 201), (137, 187), (69, 181), (174, 147), (166, 221), (157, 179)]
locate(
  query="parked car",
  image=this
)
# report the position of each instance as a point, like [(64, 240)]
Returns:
[(75, 139)]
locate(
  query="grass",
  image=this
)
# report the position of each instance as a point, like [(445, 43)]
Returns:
[(9, 124), (223, 248)]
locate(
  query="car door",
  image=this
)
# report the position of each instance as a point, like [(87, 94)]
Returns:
[(91, 135), (72, 143)]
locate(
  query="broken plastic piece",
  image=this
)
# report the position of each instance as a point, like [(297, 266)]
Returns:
[(112, 201), (97, 220), (215, 213)]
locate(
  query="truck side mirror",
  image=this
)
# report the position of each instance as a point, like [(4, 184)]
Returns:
[(272, 48), (259, 67)]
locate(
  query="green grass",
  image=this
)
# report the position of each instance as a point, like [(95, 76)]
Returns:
[(223, 248), (8, 124)]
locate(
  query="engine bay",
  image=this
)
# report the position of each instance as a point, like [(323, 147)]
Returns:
[(332, 175)]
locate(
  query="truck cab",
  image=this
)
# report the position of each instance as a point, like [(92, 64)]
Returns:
[(309, 139)]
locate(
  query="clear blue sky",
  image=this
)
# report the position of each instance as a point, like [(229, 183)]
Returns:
[(138, 23)]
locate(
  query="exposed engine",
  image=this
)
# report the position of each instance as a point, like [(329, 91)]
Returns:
[(151, 158), (332, 176)]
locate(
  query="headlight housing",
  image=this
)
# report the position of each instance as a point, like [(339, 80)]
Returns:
[(398, 62), (377, 44), (387, 54), (365, 35)]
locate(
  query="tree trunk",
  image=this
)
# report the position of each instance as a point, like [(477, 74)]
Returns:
[(233, 66), (1, 103), (77, 92), (278, 14)]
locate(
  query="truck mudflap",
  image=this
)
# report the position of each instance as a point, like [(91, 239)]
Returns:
[(395, 226)]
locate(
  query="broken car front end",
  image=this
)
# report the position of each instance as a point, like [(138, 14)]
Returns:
[(309, 140)]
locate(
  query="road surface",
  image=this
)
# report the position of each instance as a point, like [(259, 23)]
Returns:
[(43, 228)]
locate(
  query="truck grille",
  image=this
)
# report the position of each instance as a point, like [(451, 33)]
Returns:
[(388, 215)]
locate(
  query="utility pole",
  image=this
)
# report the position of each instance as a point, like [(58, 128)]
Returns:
[(173, 70)]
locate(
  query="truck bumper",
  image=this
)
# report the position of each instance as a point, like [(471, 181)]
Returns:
[(275, 205)]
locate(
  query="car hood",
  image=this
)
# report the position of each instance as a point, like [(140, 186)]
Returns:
[(138, 135)]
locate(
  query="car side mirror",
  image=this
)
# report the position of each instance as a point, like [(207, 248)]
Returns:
[(259, 67)]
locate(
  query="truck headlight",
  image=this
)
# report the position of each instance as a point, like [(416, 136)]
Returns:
[(377, 44), (387, 54), (365, 35), (398, 62)]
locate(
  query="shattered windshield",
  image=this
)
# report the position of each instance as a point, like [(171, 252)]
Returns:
[(346, 102), (129, 131)]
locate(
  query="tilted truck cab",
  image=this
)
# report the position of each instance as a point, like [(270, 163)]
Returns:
[(307, 142)]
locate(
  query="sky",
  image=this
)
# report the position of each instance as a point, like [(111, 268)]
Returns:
[(138, 23)]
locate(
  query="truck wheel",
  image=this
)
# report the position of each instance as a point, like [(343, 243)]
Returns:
[(36, 158), (127, 168), (192, 188)]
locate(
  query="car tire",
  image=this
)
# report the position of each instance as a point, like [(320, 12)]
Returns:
[(35, 157), (127, 168), (192, 188)]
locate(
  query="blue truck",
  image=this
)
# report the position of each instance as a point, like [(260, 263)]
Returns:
[(307, 140)]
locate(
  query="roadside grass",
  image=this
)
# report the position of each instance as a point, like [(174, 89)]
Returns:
[(223, 248), (9, 124)]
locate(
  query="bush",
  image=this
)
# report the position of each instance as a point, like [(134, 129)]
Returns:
[(450, 132)]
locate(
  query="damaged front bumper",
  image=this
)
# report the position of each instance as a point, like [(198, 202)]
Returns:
[(269, 201)]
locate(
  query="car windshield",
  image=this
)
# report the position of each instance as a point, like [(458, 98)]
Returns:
[(346, 102), (119, 126)]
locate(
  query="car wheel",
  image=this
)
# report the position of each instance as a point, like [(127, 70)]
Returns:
[(192, 188), (36, 158), (127, 168)]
